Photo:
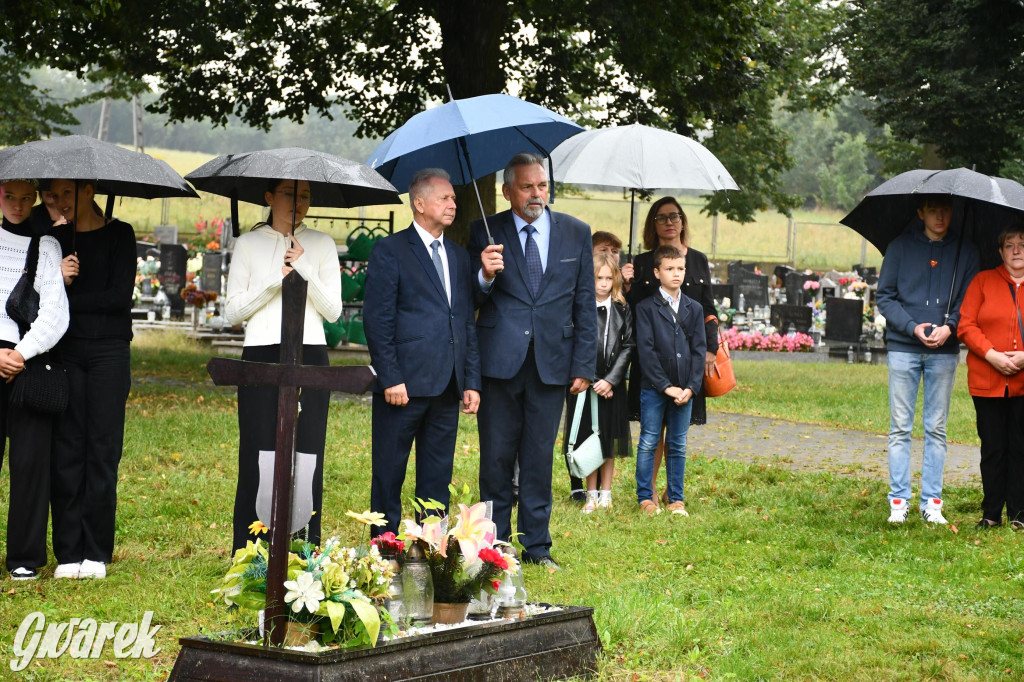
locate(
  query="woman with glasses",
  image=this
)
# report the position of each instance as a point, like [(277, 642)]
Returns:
[(261, 259), (666, 225)]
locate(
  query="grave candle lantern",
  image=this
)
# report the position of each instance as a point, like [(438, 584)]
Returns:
[(417, 586)]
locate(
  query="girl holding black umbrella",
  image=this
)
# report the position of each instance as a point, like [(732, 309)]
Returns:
[(262, 258), (99, 273), (666, 224)]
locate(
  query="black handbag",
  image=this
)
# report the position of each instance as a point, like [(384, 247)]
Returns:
[(43, 384)]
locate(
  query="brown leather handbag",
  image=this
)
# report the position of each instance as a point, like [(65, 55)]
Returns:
[(722, 379)]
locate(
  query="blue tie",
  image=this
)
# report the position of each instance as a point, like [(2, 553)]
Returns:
[(436, 257), (533, 266)]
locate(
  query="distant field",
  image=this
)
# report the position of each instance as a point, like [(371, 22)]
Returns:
[(818, 247)]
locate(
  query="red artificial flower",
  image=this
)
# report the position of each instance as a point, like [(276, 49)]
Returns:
[(388, 541), (495, 584), (493, 556)]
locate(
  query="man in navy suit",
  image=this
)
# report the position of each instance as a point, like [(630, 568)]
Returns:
[(538, 334), (418, 317)]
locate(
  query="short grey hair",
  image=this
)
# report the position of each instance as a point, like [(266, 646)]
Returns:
[(422, 178), (521, 159)]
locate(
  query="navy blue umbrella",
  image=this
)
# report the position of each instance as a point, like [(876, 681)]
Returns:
[(469, 138)]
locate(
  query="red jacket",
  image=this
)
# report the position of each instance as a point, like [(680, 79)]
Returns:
[(988, 320)]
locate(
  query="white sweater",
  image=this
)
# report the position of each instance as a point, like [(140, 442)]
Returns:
[(53, 318), (254, 283)]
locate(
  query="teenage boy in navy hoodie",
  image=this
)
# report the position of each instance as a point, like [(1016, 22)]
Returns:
[(913, 295)]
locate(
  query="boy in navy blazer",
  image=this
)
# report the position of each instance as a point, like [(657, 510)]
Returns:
[(670, 345), (418, 317)]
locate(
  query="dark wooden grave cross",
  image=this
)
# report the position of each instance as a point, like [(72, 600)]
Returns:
[(289, 376)]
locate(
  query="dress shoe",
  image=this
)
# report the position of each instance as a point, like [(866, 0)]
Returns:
[(546, 561)]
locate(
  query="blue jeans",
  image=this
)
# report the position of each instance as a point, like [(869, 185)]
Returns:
[(656, 409), (905, 373)]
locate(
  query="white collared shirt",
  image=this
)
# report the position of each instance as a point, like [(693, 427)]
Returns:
[(428, 239), (607, 305), (674, 303)]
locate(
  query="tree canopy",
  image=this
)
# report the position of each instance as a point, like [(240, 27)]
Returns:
[(948, 73), (709, 69)]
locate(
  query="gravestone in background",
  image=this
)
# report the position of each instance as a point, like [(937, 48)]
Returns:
[(737, 266), (720, 292), (210, 277), (753, 288), (780, 274), (869, 275), (795, 287), (797, 316), (843, 319), (165, 234), (173, 258)]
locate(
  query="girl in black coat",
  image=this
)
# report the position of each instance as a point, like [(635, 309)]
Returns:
[(614, 349)]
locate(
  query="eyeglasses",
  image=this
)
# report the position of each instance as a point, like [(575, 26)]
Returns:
[(661, 218)]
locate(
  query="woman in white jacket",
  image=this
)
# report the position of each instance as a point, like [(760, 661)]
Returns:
[(27, 431), (260, 261)]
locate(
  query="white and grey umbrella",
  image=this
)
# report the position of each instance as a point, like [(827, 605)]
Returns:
[(639, 157)]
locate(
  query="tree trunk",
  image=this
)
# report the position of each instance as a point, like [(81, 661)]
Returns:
[(471, 54)]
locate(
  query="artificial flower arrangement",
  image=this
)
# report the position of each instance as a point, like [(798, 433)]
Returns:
[(767, 341), (193, 295), (464, 559), (340, 589), (207, 237)]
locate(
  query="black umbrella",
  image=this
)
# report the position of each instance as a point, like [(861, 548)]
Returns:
[(114, 170), (982, 205), (333, 181)]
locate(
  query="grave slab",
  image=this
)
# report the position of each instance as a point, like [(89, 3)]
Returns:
[(554, 645)]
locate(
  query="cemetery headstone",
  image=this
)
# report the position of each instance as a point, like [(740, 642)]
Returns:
[(165, 234), (752, 287), (799, 317), (843, 319), (735, 267), (721, 292), (210, 276), (173, 258), (795, 287)]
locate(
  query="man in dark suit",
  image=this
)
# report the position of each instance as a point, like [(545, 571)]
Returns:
[(538, 334), (418, 317)]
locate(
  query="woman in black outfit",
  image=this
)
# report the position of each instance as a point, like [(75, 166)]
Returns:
[(99, 273), (666, 225)]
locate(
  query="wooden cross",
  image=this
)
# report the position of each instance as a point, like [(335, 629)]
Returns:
[(289, 376)]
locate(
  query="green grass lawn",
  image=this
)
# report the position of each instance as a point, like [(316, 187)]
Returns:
[(775, 575)]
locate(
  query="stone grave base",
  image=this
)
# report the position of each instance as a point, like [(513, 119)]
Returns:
[(554, 645)]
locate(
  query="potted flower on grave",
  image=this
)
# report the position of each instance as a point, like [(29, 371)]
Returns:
[(335, 594), (464, 559)]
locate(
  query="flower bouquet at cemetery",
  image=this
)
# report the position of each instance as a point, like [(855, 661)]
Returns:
[(464, 558), (334, 593)]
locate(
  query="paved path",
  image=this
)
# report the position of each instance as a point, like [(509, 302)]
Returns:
[(813, 447)]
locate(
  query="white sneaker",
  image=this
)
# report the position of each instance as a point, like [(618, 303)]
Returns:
[(591, 504), (604, 501), (932, 512), (92, 569), (67, 570), (898, 510)]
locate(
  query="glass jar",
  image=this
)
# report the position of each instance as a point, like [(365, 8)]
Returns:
[(417, 586)]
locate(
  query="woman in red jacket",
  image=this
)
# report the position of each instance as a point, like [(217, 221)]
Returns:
[(991, 327)]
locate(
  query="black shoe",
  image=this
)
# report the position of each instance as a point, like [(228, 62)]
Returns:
[(546, 561), (1017, 524), (985, 524), (23, 574), (578, 496)]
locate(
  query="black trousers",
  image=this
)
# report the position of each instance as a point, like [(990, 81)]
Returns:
[(1001, 430), (87, 447), (27, 434), (257, 430), (433, 423), (518, 421)]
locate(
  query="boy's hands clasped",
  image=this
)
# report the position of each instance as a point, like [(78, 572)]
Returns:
[(681, 396)]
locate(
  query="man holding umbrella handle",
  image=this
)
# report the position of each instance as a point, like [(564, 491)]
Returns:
[(537, 331)]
